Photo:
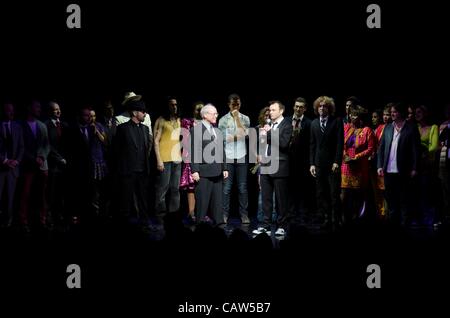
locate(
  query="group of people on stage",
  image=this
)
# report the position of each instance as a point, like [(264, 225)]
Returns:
[(328, 170)]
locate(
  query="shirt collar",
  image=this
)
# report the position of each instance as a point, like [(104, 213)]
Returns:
[(207, 124), (279, 120)]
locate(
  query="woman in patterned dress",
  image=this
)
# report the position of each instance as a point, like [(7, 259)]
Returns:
[(187, 184), (359, 145)]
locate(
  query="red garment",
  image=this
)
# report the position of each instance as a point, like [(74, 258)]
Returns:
[(359, 144)]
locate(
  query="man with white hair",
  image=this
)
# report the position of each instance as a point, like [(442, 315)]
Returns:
[(208, 166)]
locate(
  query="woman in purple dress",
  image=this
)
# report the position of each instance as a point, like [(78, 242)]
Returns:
[(187, 184)]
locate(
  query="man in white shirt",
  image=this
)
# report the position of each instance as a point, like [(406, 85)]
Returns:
[(398, 157)]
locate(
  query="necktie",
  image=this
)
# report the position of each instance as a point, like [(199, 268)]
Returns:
[(7, 131), (322, 125), (8, 141), (85, 132), (274, 126), (58, 129)]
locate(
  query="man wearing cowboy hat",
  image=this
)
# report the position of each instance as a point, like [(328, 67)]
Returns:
[(125, 116), (131, 152)]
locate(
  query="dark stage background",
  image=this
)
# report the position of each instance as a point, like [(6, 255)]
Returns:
[(207, 50)]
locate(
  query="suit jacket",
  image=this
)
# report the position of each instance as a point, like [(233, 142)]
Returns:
[(299, 147), (57, 146), (326, 148), (408, 151), (126, 148), (35, 146), (200, 140), (18, 148), (284, 132)]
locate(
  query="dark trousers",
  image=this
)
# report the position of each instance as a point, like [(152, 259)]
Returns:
[(34, 186), (168, 181), (269, 185), (301, 193), (328, 190), (8, 182), (240, 171), (208, 197), (134, 195), (56, 195), (399, 192)]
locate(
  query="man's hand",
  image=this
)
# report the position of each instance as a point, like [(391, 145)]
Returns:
[(312, 169), (235, 113), (258, 159), (334, 167), (40, 162), (11, 163), (380, 172), (225, 174), (160, 166), (413, 173), (196, 176)]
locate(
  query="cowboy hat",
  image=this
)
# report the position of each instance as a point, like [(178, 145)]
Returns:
[(138, 105), (130, 96)]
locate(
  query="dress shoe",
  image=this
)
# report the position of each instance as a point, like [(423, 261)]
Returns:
[(245, 219)]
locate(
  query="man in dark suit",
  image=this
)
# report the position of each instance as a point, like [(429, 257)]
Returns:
[(57, 162), (326, 147), (34, 165), (275, 169), (11, 154), (79, 167), (131, 155), (300, 180), (398, 157), (208, 166)]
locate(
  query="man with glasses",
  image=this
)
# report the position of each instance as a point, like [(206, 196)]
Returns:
[(208, 166)]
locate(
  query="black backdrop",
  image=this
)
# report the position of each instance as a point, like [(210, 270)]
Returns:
[(207, 50)]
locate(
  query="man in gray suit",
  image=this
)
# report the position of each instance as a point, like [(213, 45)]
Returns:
[(208, 167), (34, 165), (11, 153)]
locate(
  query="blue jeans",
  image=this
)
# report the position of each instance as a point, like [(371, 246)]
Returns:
[(168, 181), (240, 171), (260, 214)]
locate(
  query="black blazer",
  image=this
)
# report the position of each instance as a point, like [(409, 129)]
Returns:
[(408, 151), (35, 146), (284, 132), (58, 148), (200, 138), (126, 148), (17, 146), (299, 147), (326, 148)]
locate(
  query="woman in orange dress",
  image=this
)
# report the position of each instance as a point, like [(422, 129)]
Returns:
[(359, 145)]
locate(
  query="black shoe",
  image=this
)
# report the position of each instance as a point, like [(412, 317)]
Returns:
[(326, 225)]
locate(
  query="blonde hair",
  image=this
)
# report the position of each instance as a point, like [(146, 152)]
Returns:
[(328, 102)]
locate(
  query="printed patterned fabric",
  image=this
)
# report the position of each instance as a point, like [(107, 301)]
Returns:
[(359, 144)]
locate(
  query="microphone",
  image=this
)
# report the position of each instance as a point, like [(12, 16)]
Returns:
[(268, 121)]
